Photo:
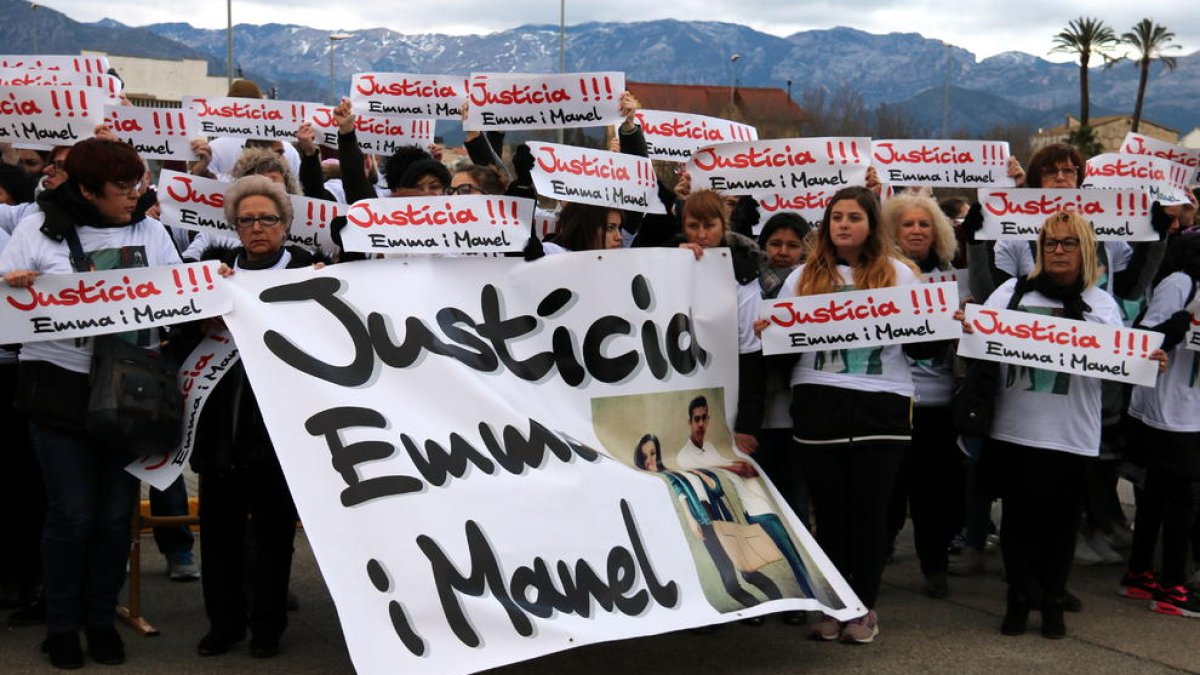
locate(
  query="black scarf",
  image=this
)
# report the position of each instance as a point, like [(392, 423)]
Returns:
[(244, 262), (65, 206), (930, 263), (1070, 296)]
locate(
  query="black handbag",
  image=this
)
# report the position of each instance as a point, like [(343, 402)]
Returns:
[(134, 401)]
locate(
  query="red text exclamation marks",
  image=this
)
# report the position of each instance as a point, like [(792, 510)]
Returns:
[(311, 212), (608, 88), (54, 102), (157, 123), (491, 211), (192, 278), (829, 151), (583, 88), (178, 282), (207, 277), (1120, 201)]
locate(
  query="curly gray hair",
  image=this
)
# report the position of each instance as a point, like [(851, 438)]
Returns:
[(257, 186), (265, 160)]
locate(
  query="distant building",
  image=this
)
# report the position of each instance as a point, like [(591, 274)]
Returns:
[(1109, 131), (1191, 139), (765, 108), (162, 83)]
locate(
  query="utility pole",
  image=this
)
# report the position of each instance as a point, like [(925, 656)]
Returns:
[(229, 43)]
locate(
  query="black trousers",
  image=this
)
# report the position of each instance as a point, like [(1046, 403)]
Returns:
[(1042, 495), (851, 485), (227, 497), (936, 480), (1166, 502), (22, 494)]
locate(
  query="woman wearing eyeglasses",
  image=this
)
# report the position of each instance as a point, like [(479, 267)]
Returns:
[(240, 476), (90, 497), (1046, 426)]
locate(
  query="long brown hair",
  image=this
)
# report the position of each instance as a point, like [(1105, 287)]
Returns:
[(874, 267)]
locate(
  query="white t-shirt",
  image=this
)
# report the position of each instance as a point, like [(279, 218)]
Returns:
[(864, 369), (753, 496), (1016, 259), (1046, 409), (10, 215), (225, 153), (748, 299), (1174, 403), (6, 356), (143, 244)]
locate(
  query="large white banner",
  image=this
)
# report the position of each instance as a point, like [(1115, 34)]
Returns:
[(673, 136), (156, 133), (1138, 144), (1166, 181), (408, 96), (942, 163), (198, 204), (49, 115), (781, 166), (1019, 213), (94, 65), (376, 135), (1062, 345), (587, 176), (516, 101), (15, 77), (61, 306), (254, 118), (874, 318), (488, 464), (451, 224), (199, 374)]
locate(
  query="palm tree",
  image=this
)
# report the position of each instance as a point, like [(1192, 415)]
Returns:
[(1085, 36), (1149, 39)]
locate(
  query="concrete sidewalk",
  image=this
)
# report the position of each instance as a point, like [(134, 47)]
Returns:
[(958, 635)]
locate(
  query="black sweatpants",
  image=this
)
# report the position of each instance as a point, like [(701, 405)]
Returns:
[(937, 478)]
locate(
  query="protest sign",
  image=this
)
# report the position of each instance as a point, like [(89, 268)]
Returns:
[(198, 376), (673, 136), (197, 203), (781, 166), (942, 163), (1165, 181), (94, 65), (1063, 345), (957, 277), (1137, 144), (1192, 339), (111, 86), (417, 97), (544, 222), (376, 135), (586, 176), (254, 118), (515, 101), (450, 224), (809, 204), (1019, 213), (156, 133), (873, 318), (464, 460), (50, 115), (61, 306)]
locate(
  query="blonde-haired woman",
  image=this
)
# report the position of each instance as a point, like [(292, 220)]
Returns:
[(1047, 425), (851, 407), (931, 482)]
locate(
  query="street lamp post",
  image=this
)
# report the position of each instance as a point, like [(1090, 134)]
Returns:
[(562, 47), (334, 38), (733, 80), (229, 43)]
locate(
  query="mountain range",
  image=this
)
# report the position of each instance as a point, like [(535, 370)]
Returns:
[(905, 70)]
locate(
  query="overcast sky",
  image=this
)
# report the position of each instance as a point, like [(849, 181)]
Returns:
[(985, 27)]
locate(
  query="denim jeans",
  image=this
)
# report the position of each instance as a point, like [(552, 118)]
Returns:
[(85, 542), (774, 528), (171, 502)]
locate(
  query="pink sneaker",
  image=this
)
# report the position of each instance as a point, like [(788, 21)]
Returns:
[(828, 629), (861, 631)]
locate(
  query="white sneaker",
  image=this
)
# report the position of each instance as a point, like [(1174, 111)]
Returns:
[(1099, 544), (1084, 554)]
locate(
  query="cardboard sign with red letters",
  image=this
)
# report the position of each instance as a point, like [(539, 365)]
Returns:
[(942, 163), (587, 176), (514, 101), (781, 166), (416, 97)]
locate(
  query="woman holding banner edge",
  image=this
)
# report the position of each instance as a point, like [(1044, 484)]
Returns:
[(851, 408), (1046, 426)]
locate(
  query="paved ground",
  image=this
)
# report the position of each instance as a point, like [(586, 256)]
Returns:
[(958, 635)]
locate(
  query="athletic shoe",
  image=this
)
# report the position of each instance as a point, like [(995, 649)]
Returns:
[(861, 631), (827, 629), (1085, 554), (1098, 543), (182, 567), (1138, 585), (1176, 601)]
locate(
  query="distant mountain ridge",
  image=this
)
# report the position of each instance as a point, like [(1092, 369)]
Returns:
[(905, 70)]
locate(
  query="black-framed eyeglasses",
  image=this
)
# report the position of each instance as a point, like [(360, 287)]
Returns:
[(1070, 244), (1065, 171), (464, 189), (268, 221)]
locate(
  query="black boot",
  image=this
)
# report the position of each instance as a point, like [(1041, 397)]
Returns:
[(1053, 625), (1016, 614)]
